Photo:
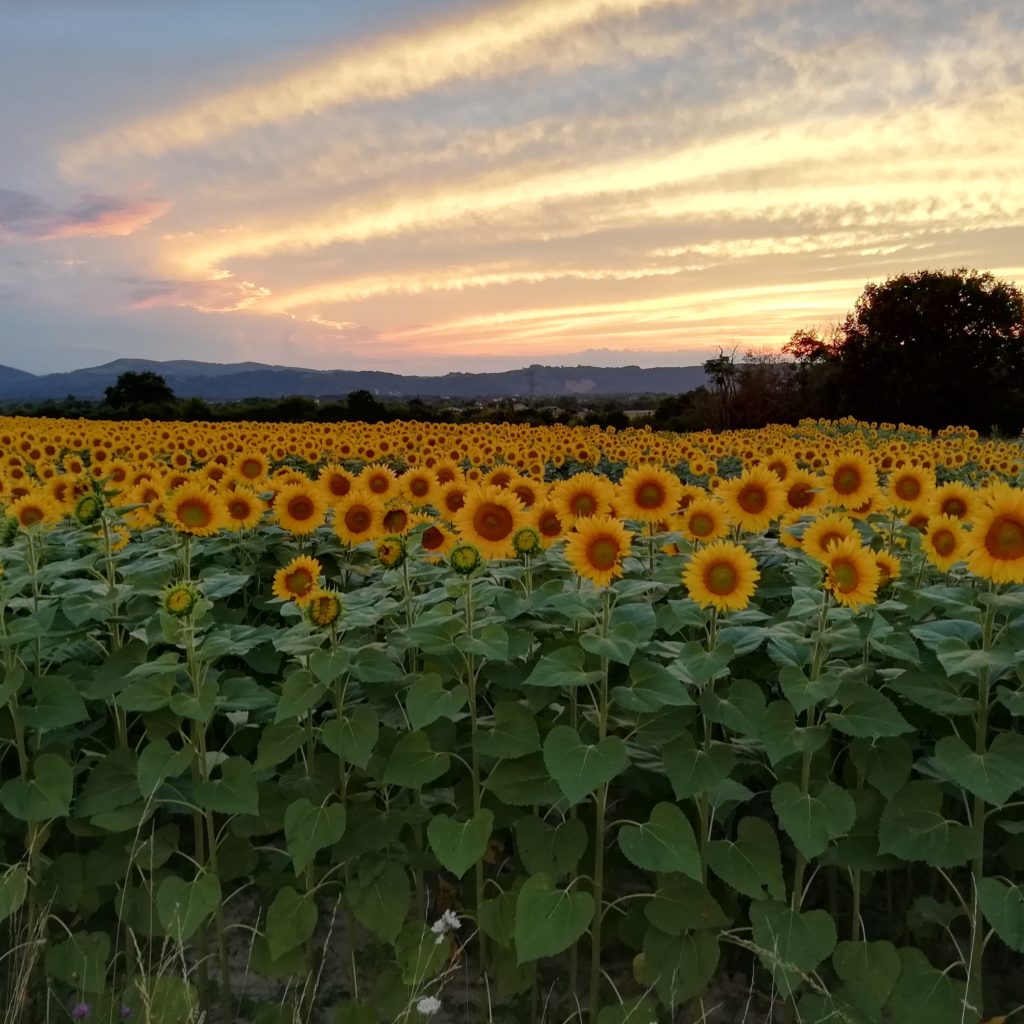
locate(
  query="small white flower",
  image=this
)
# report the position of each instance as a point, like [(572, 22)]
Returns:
[(447, 922), (428, 1006)]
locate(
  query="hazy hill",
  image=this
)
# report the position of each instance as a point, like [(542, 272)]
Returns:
[(232, 381)]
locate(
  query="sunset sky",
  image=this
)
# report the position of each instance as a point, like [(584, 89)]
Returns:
[(433, 185)]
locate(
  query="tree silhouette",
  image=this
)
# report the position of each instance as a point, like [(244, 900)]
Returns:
[(138, 388), (935, 348)]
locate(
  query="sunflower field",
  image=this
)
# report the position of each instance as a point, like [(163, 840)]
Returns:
[(363, 724)]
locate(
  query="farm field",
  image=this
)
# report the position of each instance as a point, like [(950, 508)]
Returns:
[(341, 722)]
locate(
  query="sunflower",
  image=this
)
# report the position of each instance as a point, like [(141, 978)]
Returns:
[(299, 508), (489, 519), (825, 531), (251, 468), (596, 547), (180, 599), (722, 575), (526, 540), (851, 573), (419, 486), (323, 608), (753, 499), (298, 580), (996, 547), (910, 487), (379, 480), (436, 540), (36, 508), (452, 497), (648, 494), (704, 520), (397, 520), (335, 482), (954, 499), (465, 559), (528, 491), (245, 509), (944, 541), (849, 480), (583, 494), (193, 509), (888, 567), (802, 491), (549, 525), (358, 517), (391, 551)]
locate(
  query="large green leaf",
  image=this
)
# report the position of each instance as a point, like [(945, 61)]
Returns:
[(427, 700), (235, 792), (379, 898), (561, 668), (683, 904), (752, 863), (782, 737), (620, 645), (692, 769), (523, 782), (792, 944), (112, 783), (512, 732), (549, 920), (869, 969), (578, 767), (80, 961), (278, 742), (923, 993), (885, 763), (57, 704), (413, 763), (458, 845), (866, 712), (299, 693), (812, 820), (553, 850), (994, 775), (291, 921), (1003, 907), (45, 795), (680, 966), (651, 687), (13, 890), (183, 906), (309, 827), (353, 736), (665, 843), (914, 827), (158, 762)]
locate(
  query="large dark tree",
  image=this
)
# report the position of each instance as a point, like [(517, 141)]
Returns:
[(934, 348), (135, 389)]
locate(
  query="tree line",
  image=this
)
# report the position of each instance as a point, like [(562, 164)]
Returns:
[(930, 348)]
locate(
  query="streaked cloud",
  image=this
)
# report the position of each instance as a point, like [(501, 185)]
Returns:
[(24, 217)]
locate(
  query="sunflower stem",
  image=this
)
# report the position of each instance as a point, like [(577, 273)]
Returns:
[(471, 680)]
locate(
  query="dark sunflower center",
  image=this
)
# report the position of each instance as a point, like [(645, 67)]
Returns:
[(583, 505), (251, 469), (944, 542), (357, 519), (340, 485), (238, 509), (31, 516), (301, 508), (908, 488), (194, 513), (721, 578), (299, 581), (432, 538), (550, 525), (752, 499), (650, 495), (956, 507), (419, 487), (493, 522), (800, 496), (1005, 538), (845, 576), (846, 480), (603, 553), (395, 520), (828, 539), (701, 524), (378, 484), (454, 501)]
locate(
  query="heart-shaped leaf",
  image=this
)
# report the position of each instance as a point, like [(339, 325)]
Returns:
[(752, 863), (183, 906), (680, 966), (80, 961), (682, 904), (13, 890), (793, 943), (666, 843), (812, 820), (428, 700), (158, 762), (353, 736), (549, 920), (291, 921), (578, 767), (235, 792), (46, 795), (458, 845), (1003, 907), (309, 828), (994, 776), (914, 826), (513, 732), (869, 969), (553, 850), (412, 762), (379, 898), (692, 769)]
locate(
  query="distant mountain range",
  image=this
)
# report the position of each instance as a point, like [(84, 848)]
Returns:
[(225, 382)]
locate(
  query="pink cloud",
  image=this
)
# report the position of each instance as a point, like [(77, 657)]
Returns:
[(24, 217), (220, 295)]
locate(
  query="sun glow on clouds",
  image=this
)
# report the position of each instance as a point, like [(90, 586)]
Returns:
[(546, 175)]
